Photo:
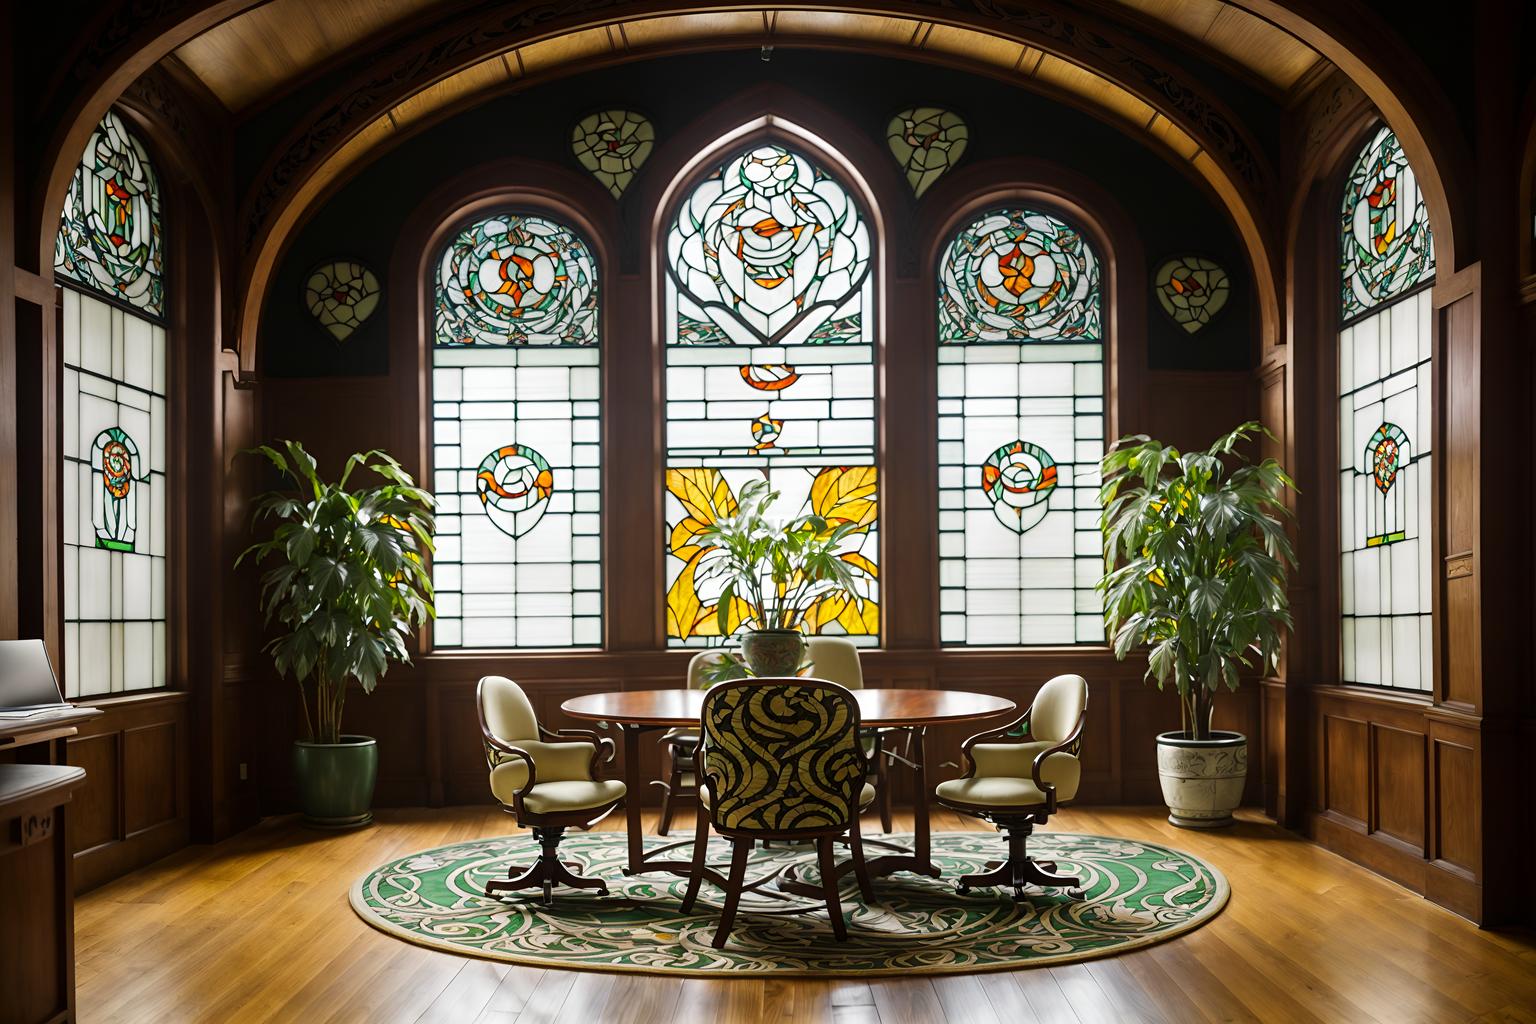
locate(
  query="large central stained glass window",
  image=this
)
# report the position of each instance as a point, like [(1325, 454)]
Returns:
[(769, 375), (1021, 432), (1387, 260), (515, 432)]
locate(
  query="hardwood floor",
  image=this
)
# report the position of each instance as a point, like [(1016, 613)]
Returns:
[(258, 929)]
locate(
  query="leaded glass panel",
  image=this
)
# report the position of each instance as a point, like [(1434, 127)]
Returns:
[(612, 144), (114, 498), (109, 233), (1021, 432), (770, 373), (516, 433), (1385, 402), (1387, 248), (926, 142)]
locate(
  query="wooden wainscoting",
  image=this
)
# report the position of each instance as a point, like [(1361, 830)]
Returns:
[(133, 808), (1396, 788), (429, 743)]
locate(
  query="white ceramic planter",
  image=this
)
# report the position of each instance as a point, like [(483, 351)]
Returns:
[(1202, 779)]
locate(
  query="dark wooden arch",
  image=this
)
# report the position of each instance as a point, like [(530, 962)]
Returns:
[(1106, 52), (1363, 46)]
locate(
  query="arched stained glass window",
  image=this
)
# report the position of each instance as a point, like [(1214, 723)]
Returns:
[(770, 375), (107, 256), (1386, 263), (109, 234), (1021, 432), (515, 433)]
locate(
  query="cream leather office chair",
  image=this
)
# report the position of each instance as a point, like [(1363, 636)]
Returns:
[(681, 782), (836, 659), (1017, 776), (548, 780)]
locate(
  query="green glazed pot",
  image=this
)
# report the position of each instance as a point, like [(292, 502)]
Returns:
[(773, 652), (336, 781)]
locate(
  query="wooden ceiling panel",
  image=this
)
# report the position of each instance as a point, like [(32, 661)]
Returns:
[(1098, 91), (844, 25), (255, 54), (978, 46), (1259, 46), (259, 53), (1245, 39), (670, 28), (478, 78)]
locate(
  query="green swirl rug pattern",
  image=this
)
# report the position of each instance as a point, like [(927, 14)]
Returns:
[(1135, 893)]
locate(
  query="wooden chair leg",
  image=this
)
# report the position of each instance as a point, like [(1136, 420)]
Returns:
[(829, 888), (696, 869), (740, 848), (669, 794), (860, 869), (883, 788)]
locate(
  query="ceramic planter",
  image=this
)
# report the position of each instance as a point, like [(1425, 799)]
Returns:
[(336, 781), (1202, 779), (773, 652)]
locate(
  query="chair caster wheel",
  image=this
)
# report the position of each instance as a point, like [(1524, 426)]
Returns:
[(962, 890), (1076, 894)]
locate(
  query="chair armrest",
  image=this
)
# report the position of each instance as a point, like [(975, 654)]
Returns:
[(1000, 733), (1068, 744), (602, 746), (493, 742)]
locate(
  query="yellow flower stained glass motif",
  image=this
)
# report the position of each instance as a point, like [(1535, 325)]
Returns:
[(698, 497)]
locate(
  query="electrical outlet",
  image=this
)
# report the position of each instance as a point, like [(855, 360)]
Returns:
[(243, 773)]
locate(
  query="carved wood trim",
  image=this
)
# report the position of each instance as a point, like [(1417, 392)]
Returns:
[(481, 31), (1459, 565)]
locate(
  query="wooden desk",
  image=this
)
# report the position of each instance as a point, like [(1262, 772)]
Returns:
[(37, 877), (638, 711)]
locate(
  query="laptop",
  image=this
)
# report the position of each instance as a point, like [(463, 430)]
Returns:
[(28, 686)]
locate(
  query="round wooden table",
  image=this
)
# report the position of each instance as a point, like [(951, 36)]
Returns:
[(640, 711)]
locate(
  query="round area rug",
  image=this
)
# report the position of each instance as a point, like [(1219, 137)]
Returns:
[(1136, 893)]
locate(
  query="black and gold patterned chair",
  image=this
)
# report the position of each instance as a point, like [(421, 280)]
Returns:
[(836, 659), (780, 759), (548, 780), (1017, 776)]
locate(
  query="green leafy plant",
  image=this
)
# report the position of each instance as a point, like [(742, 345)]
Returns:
[(1202, 561), (349, 584), (775, 571)]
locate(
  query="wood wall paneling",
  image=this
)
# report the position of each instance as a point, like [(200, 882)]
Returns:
[(1398, 791), (1456, 797), (97, 818), (150, 754), (1346, 769), (135, 804)]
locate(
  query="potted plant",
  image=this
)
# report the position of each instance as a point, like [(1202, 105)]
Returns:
[(774, 573), (348, 586), (1201, 582)]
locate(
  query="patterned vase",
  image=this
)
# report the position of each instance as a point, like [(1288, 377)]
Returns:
[(773, 652), (1202, 779)]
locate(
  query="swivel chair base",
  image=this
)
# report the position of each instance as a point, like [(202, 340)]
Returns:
[(547, 871), (1019, 869)]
